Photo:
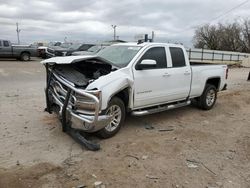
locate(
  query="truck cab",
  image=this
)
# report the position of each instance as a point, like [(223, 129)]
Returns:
[(5, 48), (168, 68)]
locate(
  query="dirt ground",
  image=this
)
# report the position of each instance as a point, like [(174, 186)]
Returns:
[(200, 148)]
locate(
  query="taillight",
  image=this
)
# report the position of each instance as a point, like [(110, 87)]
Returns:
[(227, 73)]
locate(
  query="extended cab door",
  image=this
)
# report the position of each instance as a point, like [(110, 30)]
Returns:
[(179, 74), (5, 49)]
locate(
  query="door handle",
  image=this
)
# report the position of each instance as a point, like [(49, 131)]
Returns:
[(187, 73), (166, 74)]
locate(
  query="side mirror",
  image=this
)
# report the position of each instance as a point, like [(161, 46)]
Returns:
[(146, 64)]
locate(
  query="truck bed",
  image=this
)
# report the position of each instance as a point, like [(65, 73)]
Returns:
[(203, 71)]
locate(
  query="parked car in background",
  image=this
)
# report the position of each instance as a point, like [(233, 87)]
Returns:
[(22, 52), (92, 50), (45, 52), (62, 49), (77, 47)]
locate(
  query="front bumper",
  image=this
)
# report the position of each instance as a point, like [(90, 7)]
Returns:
[(87, 123), (72, 118)]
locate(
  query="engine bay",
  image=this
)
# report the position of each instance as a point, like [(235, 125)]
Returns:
[(84, 72)]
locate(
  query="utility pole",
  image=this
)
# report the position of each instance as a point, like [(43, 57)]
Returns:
[(153, 36), (114, 27), (18, 31)]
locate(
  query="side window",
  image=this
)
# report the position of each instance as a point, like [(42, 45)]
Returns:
[(158, 54), (6, 43), (177, 55), (0, 43)]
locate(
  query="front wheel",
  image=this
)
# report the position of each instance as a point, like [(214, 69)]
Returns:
[(208, 98), (116, 109)]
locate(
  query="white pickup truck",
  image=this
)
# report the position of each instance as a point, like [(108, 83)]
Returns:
[(94, 93)]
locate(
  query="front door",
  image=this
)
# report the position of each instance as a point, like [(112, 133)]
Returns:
[(150, 83)]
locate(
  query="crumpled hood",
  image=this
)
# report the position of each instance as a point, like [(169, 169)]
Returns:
[(67, 59)]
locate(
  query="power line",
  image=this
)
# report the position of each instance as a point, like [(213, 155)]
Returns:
[(217, 17), (230, 10)]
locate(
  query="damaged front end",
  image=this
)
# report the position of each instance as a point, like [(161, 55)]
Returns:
[(78, 109)]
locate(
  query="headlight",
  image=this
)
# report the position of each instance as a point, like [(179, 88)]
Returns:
[(86, 103)]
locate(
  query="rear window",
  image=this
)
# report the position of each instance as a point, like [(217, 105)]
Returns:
[(177, 55), (0, 43), (6, 43)]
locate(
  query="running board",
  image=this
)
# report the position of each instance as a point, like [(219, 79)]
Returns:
[(160, 108)]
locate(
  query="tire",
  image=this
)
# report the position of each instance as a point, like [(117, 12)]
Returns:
[(208, 98), (25, 56), (116, 106)]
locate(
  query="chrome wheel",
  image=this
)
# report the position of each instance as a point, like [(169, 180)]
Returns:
[(116, 113), (25, 57), (210, 98)]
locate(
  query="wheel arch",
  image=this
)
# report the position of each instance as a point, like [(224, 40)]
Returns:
[(25, 52), (215, 81), (123, 94)]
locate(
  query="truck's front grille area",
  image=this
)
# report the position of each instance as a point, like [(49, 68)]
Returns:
[(80, 102), (60, 91)]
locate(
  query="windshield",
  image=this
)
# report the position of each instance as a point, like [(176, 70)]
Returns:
[(93, 48), (74, 46), (119, 55), (65, 45)]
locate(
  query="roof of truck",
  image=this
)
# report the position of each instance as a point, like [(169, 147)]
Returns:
[(146, 44)]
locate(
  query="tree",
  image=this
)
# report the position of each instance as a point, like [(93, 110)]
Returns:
[(246, 36), (206, 37), (228, 37)]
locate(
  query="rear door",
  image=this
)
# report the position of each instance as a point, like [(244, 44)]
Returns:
[(5, 49), (179, 75)]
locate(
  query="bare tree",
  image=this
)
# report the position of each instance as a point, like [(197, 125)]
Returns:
[(246, 36), (206, 37), (229, 37)]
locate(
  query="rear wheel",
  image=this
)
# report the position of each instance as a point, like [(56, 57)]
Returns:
[(208, 98), (25, 56), (116, 109)]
